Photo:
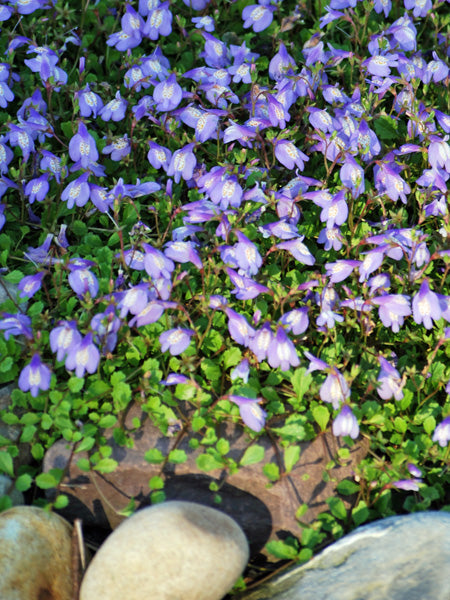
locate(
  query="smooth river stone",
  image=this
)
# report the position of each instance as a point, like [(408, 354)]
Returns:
[(35, 555), (399, 558), (170, 551)]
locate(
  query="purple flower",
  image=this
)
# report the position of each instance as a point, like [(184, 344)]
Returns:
[(134, 300), (241, 371), (82, 281), (183, 252), (20, 136), (245, 288), (239, 329), (106, 325), (77, 192), (51, 163), (85, 356), (35, 376), (131, 34), (6, 94), (380, 65), (391, 385), (175, 379), (251, 413), (29, 285), (258, 17), (167, 94), (90, 103), (420, 8), (158, 156), (281, 352), (247, 255), (341, 269), (331, 238), (352, 176), (436, 70), (392, 310), (159, 22), (239, 132), (156, 263), (409, 485), (345, 423), (425, 306), (298, 250), (64, 338), (16, 325), (118, 149), (282, 64), (289, 155), (151, 313), (182, 163), (115, 109), (206, 23), (439, 154), (334, 389), (175, 340), (82, 148), (296, 320), (37, 189), (442, 432), (261, 341)]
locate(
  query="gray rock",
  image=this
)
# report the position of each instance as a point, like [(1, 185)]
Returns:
[(264, 512), (170, 551), (35, 555), (399, 558), (7, 489)]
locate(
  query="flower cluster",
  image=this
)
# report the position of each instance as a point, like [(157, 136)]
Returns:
[(240, 220)]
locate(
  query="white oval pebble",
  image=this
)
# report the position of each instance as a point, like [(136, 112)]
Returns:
[(170, 551)]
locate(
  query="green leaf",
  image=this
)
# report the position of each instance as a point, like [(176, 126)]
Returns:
[(385, 128), (197, 423), (23, 482), (211, 369), (156, 483), (254, 454), (84, 464), (49, 480), (223, 446), (429, 424), (301, 382), (107, 421), (321, 416), (121, 394), (346, 487), (106, 465), (284, 550), (231, 357), (207, 462), (75, 384), (154, 456), (61, 501), (360, 513), (14, 276), (337, 508), (291, 456), (177, 456), (85, 445), (271, 471), (6, 364), (400, 425)]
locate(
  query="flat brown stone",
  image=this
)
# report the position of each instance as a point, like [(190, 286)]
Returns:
[(265, 511)]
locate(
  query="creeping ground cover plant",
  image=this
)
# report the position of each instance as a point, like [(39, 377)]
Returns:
[(230, 212)]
